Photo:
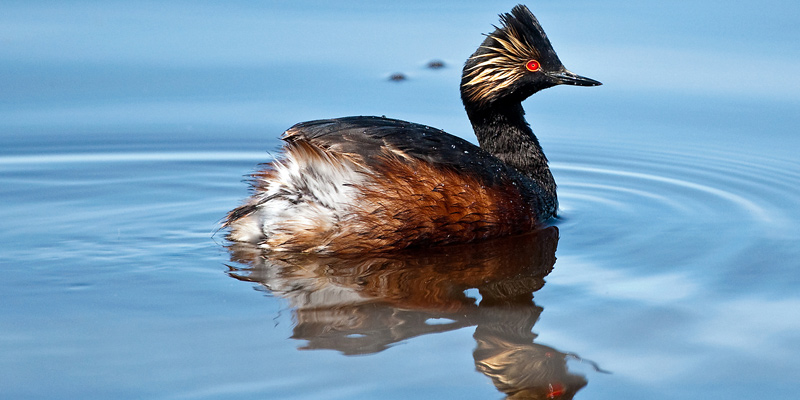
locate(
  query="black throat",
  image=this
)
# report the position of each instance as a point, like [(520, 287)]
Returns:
[(502, 131)]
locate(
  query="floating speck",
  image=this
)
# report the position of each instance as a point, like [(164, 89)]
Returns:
[(397, 77), (435, 64)]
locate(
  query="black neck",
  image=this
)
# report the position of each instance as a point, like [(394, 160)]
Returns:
[(502, 131)]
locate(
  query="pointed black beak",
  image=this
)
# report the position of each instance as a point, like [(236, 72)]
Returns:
[(566, 77)]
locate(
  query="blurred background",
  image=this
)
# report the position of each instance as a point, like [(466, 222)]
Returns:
[(127, 128)]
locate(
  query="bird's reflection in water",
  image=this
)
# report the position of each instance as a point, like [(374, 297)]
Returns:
[(364, 305)]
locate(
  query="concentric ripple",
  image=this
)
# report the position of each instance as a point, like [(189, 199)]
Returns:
[(657, 202), (110, 157), (617, 198)]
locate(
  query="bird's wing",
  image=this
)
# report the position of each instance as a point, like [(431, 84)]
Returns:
[(371, 139)]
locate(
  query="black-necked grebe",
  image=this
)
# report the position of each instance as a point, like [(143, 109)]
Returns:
[(363, 184)]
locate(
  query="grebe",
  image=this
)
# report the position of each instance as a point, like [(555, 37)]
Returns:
[(374, 184)]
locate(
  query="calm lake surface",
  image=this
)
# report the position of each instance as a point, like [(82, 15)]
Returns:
[(126, 133)]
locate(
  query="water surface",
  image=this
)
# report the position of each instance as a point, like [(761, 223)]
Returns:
[(126, 132)]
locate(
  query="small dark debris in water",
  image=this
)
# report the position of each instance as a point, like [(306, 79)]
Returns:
[(397, 77), (436, 64)]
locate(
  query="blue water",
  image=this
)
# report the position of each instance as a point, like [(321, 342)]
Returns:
[(126, 131)]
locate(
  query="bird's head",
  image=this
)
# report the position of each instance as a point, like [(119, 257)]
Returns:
[(514, 62)]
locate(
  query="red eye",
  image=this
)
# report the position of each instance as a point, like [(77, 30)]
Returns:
[(532, 65)]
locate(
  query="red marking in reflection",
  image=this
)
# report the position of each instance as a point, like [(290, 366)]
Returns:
[(556, 390), (533, 65)]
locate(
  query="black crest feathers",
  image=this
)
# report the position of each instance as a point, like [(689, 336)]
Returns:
[(500, 61)]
